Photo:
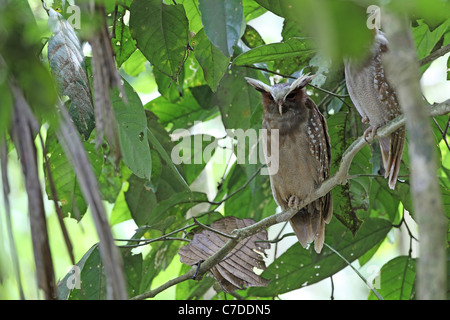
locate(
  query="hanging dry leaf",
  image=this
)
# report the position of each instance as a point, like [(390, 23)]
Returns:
[(235, 271), (67, 64)]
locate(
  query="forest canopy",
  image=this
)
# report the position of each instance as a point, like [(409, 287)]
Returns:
[(130, 150)]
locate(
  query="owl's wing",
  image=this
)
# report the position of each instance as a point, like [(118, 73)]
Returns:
[(321, 149), (309, 224)]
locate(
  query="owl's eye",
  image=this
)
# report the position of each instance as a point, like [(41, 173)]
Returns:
[(269, 96), (290, 96)]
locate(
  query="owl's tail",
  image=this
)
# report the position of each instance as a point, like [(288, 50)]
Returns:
[(391, 152), (309, 223)]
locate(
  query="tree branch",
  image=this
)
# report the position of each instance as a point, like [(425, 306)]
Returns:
[(340, 177), (434, 55)]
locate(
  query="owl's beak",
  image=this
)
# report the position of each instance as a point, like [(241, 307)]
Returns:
[(280, 107)]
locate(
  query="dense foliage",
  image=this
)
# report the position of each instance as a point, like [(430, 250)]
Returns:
[(196, 54)]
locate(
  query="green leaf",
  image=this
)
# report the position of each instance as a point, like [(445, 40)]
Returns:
[(193, 14), (299, 267), (120, 211), (135, 64), (165, 156), (237, 100), (140, 200), (5, 111), (338, 19), (194, 152), (396, 279), (186, 197), (192, 290), (162, 34), (167, 87), (68, 190), (132, 125), (252, 10), (425, 39), (181, 113), (292, 47), (213, 62), (252, 38), (222, 21), (123, 44), (92, 277)]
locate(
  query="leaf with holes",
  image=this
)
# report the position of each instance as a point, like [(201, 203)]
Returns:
[(132, 125), (235, 271)]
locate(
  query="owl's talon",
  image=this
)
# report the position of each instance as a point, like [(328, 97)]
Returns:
[(365, 120), (293, 202), (372, 131)]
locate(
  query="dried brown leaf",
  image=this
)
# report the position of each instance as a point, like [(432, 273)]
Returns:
[(235, 271)]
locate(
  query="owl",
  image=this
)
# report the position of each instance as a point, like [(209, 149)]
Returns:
[(376, 102), (304, 155)]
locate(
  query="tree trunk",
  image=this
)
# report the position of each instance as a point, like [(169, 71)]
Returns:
[(402, 71)]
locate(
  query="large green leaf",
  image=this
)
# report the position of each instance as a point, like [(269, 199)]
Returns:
[(223, 22), (162, 34), (213, 62), (299, 267), (292, 47), (396, 281), (132, 125)]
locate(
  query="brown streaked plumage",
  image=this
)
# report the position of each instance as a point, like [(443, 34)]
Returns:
[(304, 155), (377, 103)]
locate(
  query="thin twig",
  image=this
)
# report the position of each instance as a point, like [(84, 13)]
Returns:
[(434, 55), (148, 241), (226, 235), (163, 237), (356, 271), (403, 221)]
